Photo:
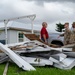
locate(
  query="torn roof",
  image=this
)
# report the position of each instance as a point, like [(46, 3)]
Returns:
[(14, 25)]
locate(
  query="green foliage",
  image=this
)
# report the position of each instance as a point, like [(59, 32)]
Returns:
[(59, 27), (13, 69), (2, 66)]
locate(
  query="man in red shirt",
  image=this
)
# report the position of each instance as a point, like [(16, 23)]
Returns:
[(44, 33)]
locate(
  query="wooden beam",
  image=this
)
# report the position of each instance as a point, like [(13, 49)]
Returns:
[(68, 46), (6, 69)]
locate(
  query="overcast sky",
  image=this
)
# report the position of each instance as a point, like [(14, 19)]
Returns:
[(50, 11)]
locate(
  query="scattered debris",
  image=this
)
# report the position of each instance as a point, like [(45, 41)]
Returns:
[(35, 61), (36, 53), (16, 58)]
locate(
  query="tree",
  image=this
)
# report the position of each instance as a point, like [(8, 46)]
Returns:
[(59, 27)]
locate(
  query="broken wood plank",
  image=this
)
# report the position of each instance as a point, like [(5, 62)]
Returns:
[(6, 69), (68, 46), (35, 37)]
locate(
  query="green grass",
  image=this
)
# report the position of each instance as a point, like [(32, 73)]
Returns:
[(14, 70), (2, 68)]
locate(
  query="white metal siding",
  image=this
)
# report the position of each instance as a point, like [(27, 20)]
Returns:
[(12, 36)]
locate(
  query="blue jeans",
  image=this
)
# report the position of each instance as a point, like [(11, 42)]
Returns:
[(44, 40)]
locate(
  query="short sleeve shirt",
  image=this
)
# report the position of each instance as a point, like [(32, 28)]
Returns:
[(44, 31)]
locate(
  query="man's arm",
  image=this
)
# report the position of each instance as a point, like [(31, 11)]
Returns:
[(62, 34)]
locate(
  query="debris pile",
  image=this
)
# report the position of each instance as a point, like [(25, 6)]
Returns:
[(34, 53)]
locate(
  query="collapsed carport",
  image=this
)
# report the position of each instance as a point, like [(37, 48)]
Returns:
[(31, 17)]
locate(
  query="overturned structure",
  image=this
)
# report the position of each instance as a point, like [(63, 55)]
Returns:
[(34, 53)]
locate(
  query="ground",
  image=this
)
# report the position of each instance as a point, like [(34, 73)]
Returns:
[(13, 69)]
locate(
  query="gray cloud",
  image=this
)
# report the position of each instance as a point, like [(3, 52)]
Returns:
[(52, 0), (50, 11), (41, 2)]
